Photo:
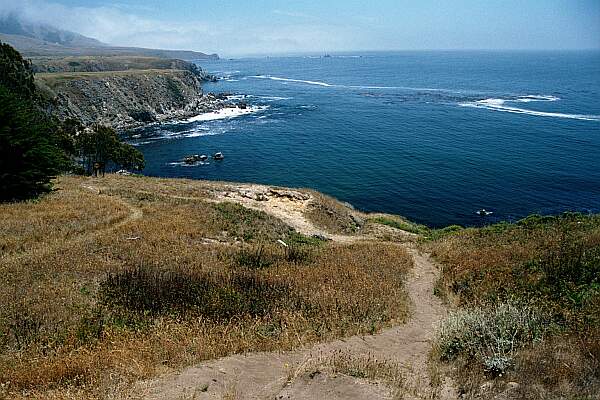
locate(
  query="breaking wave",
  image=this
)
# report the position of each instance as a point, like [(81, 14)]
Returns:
[(227, 113), (504, 105)]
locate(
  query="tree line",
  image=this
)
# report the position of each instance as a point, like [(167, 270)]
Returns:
[(35, 146)]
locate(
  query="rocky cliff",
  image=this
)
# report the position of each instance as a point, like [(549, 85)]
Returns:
[(127, 99)]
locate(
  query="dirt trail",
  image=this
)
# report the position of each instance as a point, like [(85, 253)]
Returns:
[(267, 375), (133, 214), (279, 375)]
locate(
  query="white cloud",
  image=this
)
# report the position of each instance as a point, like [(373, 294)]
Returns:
[(118, 25)]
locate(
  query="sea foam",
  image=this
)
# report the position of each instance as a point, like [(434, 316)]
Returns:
[(359, 87), (499, 104), (226, 113), (275, 78)]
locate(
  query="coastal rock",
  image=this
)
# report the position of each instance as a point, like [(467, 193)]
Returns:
[(129, 99), (360, 222), (289, 194)]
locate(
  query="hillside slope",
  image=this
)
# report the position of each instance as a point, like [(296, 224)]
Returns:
[(31, 47), (108, 281), (13, 24), (137, 287), (34, 39)]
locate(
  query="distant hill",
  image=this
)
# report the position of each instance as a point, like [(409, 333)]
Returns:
[(13, 25), (34, 40)]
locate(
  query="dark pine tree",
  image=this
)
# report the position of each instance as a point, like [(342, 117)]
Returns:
[(30, 151), (15, 73)]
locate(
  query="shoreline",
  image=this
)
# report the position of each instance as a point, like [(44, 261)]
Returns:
[(204, 105), (375, 213)]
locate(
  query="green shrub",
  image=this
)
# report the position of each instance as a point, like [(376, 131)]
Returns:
[(90, 327), (255, 257), (24, 329), (295, 238), (535, 220), (448, 230), (249, 225), (298, 254), (492, 335), (151, 292), (402, 225)]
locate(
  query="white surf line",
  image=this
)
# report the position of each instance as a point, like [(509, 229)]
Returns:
[(494, 104), (360, 87), (497, 104), (275, 78)]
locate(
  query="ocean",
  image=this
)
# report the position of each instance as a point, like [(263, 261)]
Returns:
[(432, 136)]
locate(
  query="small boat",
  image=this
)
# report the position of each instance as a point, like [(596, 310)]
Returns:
[(218, 156), (203, 157), (483, 212)]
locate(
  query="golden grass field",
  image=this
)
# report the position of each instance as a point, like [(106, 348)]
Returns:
[(547, 264), (111, 280), (107, 282), (53, 80)]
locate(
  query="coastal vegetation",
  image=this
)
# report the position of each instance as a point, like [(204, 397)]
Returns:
[(95, 296), (113, 280), (401, 223), (527, 299), (35, 146)]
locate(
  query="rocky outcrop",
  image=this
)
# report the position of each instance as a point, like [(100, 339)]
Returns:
[(127, 99)]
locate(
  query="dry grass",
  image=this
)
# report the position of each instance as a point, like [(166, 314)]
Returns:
[(333, 216), (52, 79), (53, 219), (549, 263), (94, 299)]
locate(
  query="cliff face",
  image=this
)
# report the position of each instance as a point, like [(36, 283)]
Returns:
[(127, 99)]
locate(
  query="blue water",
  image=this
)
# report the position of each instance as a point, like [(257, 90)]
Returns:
[(433, 136)]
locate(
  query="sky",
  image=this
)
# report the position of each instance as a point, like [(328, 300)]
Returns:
[(245, 27)]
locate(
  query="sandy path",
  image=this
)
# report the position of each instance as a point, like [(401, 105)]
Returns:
[(266, 375), (278, 375)]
